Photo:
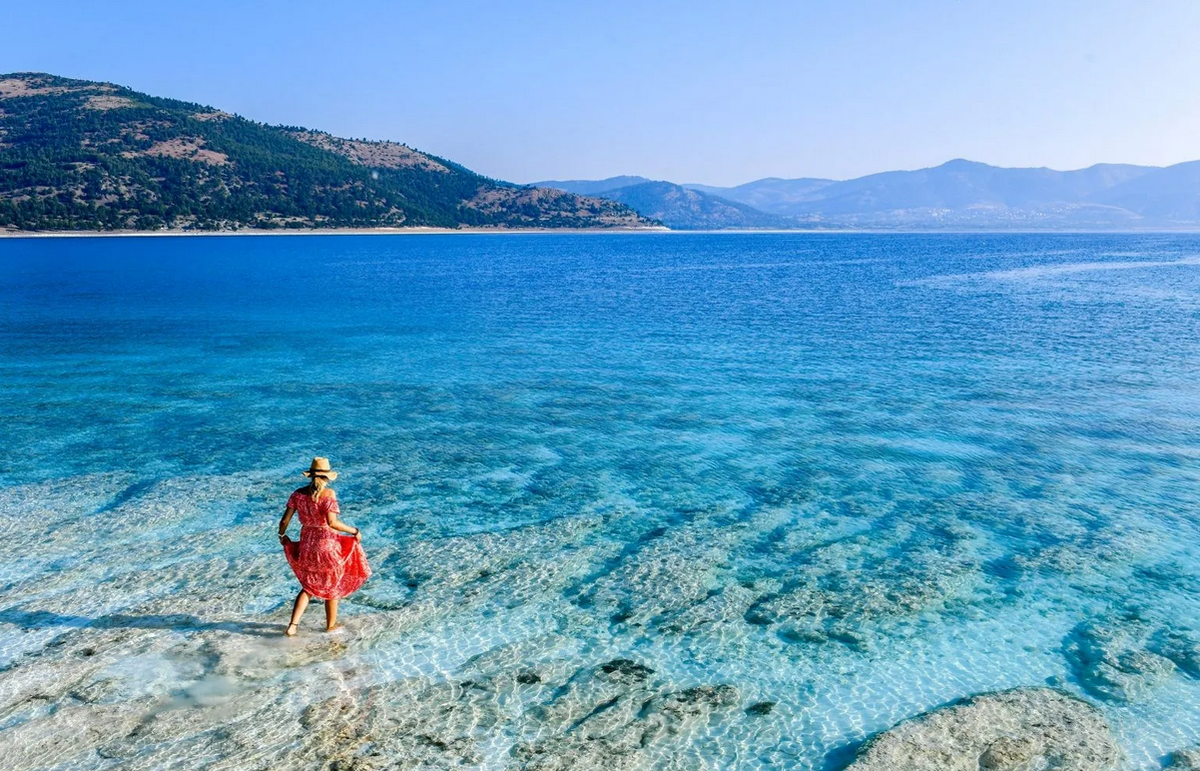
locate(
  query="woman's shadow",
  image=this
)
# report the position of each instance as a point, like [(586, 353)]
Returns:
[(181, 622)]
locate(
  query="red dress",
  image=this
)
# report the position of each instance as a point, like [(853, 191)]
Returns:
[(329, 565)]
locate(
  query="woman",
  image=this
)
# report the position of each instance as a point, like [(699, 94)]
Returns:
[(328, 565)]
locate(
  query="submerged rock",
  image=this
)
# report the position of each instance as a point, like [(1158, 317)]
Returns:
[(414, 723), (1009, 752), (659, 577), (1180, 647), (847, 590), (616, 716), (625, 671), (1017, 730), (1185, 760), (1110, 661), (760, 708), (695, 701), (1124, 657)]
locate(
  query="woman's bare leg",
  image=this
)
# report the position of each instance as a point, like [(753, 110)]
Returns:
[(297, 611), (331, 615)]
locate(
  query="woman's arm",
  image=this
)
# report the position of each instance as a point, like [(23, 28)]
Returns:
[(283, 522), (331, 519)]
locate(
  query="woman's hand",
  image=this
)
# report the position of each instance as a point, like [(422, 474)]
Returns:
[(283, 525), (358, 535)]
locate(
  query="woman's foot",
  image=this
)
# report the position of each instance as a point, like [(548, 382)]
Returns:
[(291, 630), (333, 628)]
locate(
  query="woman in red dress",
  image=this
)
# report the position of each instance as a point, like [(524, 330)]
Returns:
[(329, 566)]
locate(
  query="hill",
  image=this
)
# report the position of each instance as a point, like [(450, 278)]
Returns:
[(682, 209), (774, 195), (965, 193), (677, 206), (81, 155), (1170, 196), (592, 186), (957, 194)]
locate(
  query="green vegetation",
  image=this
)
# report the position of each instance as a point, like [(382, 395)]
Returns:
[(79, 155)]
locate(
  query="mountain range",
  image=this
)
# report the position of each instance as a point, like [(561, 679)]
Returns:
[(82, 155), (85, 155), (682, 207), (957, 194)]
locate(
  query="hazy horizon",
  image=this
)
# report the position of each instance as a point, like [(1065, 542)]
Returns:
[(688, 93)]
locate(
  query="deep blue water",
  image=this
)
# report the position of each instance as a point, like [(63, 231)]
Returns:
[(855, 475)]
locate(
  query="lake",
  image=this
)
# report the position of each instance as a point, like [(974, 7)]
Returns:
[(632, 500)]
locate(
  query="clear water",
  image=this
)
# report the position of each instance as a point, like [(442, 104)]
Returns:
[(856, 475)]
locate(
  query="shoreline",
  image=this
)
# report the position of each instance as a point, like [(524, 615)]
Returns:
[(414, 231), (420, 231)]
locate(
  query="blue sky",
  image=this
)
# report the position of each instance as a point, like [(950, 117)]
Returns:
[(699, 91)]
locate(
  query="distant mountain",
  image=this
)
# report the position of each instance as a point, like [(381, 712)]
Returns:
[(774, 195), (1169, 196), (592, 186), (80, 155), (966, 193), (682, 209)]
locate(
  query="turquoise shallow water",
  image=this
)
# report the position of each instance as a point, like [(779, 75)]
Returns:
[(857, 476)]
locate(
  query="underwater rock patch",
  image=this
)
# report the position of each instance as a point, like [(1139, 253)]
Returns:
[(1008, 753), (1124, 657), (1016, 730), (846, 590), (759, 708), (658, 576), (625, 671), (628, 732), (727, 605), (414, 723), (616, 716), (1180, 647), (506, 569), (1185, 760), (67, 733), (695, 701), (1087, 542)]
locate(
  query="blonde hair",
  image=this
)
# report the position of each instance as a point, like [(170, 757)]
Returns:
[(318, 484)]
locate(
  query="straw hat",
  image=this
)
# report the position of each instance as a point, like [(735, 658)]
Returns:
[(320, 468)]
